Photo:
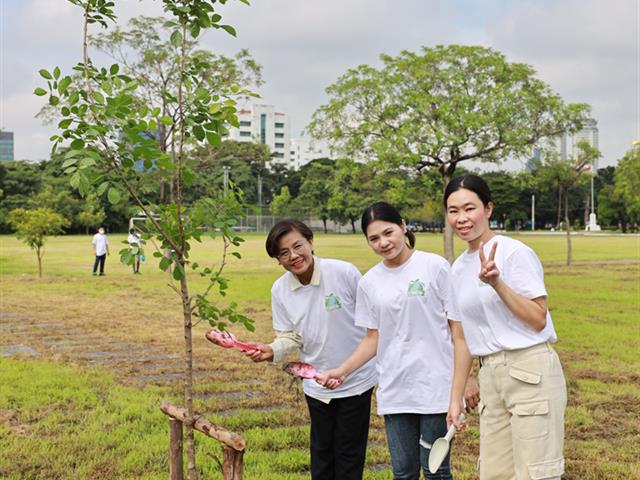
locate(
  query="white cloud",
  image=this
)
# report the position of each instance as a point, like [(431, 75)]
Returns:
[(585, 50)]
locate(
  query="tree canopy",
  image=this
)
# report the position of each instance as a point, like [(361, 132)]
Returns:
[(442, 106)]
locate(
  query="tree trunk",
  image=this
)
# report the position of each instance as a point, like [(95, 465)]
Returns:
[(587, 204), (324, 224), (567, 227), (353, 225), (39, 254), (559, 207), (188, 378), (448, 232)]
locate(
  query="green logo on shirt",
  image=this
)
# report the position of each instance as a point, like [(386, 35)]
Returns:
[(416, 288), (332, 302)]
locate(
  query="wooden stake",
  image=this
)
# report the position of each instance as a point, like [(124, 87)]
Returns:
[(175, 450), (232, 468)]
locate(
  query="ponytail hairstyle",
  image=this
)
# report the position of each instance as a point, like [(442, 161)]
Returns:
[(387, 213), (470, 182)]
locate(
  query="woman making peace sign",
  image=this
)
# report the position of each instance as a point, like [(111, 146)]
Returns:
[(499, 286)]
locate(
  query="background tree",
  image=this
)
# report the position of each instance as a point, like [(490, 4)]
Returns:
[(627, 183), (442, 106), (282, 204), (352, 190), (34, 226), (111, 128), (567, 175), (92, 214), (315, 190), (19, 181)]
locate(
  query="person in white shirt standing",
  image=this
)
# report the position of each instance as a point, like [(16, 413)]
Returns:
[(135, 245), (313, 307), (499, 285), (100, 245), (406, 304)]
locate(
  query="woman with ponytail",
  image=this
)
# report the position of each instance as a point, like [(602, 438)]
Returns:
[(405, 302)]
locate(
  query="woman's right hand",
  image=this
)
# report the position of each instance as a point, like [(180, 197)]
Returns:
[(330, 378), (261, 353), (472, 392)]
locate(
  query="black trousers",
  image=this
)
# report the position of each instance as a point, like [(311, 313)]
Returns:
[(339, 432), (99, 261)]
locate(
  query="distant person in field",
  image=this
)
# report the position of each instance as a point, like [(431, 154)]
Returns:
[(407, 306), (499, 286), (313, 307), (135, 242), (100, 245)]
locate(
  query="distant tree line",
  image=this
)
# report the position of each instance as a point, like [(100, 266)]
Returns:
[(336, 190)]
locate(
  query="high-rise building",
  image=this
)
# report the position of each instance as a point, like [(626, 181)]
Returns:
[(6, 146), (303, 150), (262, 124), (589, 133)]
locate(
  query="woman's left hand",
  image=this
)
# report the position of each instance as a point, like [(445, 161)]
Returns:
[(489, 272)]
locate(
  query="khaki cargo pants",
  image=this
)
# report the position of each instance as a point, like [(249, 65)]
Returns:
[(522, 401)]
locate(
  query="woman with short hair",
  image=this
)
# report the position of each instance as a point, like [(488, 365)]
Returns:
[(313, 308)]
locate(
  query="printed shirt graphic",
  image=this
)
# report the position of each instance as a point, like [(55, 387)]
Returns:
[(332, 302), (416, 288)]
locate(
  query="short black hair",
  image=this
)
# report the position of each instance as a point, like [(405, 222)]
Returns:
[(471, 182), (132, 231), (280, 229), (387, 213)]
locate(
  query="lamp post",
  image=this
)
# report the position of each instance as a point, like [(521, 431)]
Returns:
[(225, 170)]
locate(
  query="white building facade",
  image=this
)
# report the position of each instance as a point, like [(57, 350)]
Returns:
[(303, 150), (262, 124)]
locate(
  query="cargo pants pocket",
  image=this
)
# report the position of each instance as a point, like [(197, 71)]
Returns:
[(549, 469)]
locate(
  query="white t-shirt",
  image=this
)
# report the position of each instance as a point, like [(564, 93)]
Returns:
[(409, 306), (101, 242), (489, 326), (322, 313), (133, 238)]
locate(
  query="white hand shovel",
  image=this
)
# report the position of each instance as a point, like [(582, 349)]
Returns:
[(440, 447)]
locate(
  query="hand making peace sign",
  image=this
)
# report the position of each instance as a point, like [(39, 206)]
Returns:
[(489, 272)]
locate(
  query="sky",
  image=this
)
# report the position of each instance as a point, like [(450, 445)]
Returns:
[(585, 50)]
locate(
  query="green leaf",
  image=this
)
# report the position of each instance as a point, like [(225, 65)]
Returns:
[(176, 38), (87, 162), (236, 254), (113, 196), (178, 271), (229, 29), (45, 74), (165, 263), (114, 69), (165, 120), (98, 97), (64, 84), (214, 139), (53, 100), (69, 162), (102, 187), (198, 132), (56, 73), (195, 30), (63, 124), (40, 92)]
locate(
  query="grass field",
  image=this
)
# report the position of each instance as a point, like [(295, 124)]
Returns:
[(109, 351)]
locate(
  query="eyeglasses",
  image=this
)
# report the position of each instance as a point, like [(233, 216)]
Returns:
[(285, 255)]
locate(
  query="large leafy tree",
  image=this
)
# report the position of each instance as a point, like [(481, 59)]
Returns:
[(627, 183), (442, 106), (111, 125)]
